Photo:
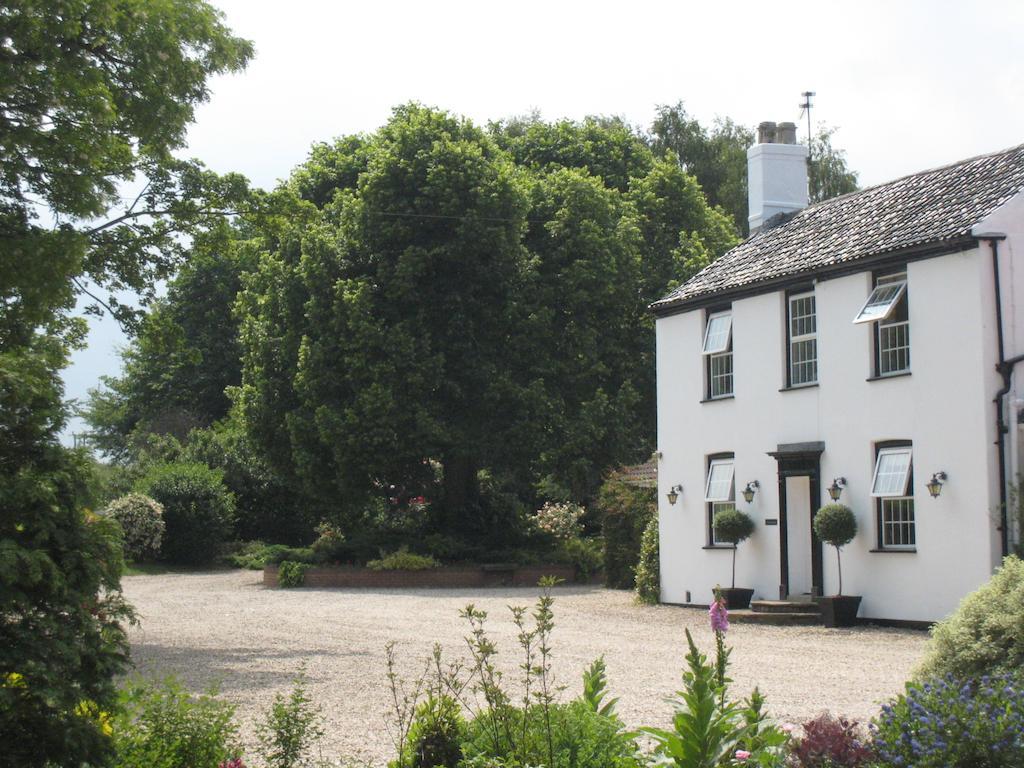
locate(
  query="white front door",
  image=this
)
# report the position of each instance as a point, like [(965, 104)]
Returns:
[(798, 535)]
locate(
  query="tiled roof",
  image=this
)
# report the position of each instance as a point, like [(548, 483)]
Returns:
[(932, 207)]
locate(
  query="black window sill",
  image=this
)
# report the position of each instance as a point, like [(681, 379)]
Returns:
[(718, 399), (726, 547), (888, 376), (798, 387), (887, 551)]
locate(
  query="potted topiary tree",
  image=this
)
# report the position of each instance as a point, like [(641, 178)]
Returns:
[(732, 527), (836, 524)]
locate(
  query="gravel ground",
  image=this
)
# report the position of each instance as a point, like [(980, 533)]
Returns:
[(226, 628)]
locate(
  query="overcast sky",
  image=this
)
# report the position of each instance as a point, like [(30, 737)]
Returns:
[(909, 85)]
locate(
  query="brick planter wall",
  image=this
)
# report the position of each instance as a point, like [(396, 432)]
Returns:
[(451, 576)]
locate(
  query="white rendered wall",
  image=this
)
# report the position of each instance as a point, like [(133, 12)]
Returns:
[(944, 407), (777, 181)]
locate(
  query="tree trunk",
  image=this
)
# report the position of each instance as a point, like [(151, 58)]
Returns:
[(839, 567), (461, 491), (734, 566)]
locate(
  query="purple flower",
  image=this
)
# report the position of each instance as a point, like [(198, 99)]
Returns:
[(719, 616)]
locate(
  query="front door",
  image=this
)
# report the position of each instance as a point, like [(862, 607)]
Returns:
[(799, 499)]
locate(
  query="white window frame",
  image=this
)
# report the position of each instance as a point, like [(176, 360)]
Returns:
[(730, 495), (794, 339), (874, 309), (904, 483), (716, 507), (726, 343)]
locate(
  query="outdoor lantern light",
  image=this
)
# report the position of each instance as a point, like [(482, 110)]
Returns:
[(836, 489), (935, 484), (750, 490), (673, 493)]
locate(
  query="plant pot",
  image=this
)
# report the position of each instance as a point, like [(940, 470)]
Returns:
[(736, 597), (839, 610)]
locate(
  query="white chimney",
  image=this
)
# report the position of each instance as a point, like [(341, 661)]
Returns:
[(776, 174)]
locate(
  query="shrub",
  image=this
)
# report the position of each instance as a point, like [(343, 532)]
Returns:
[(831, 742), (559, 519), (625, 511), (198, 510), (162, 725), (330, 546), (986, 632), (290, 574), (585, 555), (648, 569), (251, 555), (290, 729), (274, 554), (435, 736), (955, 723), (142, 523), (732, 526), (403, 560), (836, 524)]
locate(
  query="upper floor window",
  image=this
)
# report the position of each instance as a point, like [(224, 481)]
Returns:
[(720, 490), (718, 352), (802, 328), (893, 489), (887, 307)]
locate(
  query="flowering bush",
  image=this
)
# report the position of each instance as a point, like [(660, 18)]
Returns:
[(975, 723), (142, 523), (831, 742), (561, 520)]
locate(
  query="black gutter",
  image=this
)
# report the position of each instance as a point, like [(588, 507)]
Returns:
[(827, 272), (1005, 368)]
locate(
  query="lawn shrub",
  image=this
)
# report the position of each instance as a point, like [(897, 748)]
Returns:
[(435, 736), (831, 742), (142, 524), (162, 725), (403, 560), (586, 556), (251, 555), (275, 554), (198, 510), (625, 510), (952, 722), (291, 574), (986, 632), (330, 545), (648, 569)]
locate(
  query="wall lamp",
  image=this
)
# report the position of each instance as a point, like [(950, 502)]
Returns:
[(673, 493), (750, 490), (836, 489), (935, 484)]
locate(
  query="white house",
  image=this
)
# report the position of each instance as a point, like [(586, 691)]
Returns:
[(872, 340)]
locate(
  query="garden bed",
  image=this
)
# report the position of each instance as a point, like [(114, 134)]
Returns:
[(496, 575)]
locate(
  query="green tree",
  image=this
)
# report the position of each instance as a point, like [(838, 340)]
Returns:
[(828, 174), (94, 95)]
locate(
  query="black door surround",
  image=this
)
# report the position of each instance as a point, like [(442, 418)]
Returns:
[(799, 460)]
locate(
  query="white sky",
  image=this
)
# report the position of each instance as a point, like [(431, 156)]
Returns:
[(910, 85)]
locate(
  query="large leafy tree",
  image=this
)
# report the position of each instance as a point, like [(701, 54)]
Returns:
[(93, 96)]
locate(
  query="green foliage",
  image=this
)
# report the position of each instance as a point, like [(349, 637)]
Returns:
[(595, 685), (835, 524), (142, 525), (62, 639), (198, 510), (274, 554), (291, 729), (732, 525), (250, 555), (585, 555), (648, 567), (708, 729), (403, 560), (291, 574), (162, 725), (625, 510), (435, 736), (986, 632), (828, 175), (952, 722)]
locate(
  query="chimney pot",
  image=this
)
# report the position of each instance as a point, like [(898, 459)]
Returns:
[(786, 133), (766, 133)]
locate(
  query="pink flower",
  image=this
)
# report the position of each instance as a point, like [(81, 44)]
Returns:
[(787, 727), (742, 754), (233, 763), (719, 616)]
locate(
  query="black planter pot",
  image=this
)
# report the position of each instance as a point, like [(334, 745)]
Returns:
[(839, 610), (736, 597)]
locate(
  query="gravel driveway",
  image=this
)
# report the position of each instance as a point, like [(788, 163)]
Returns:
[(226, 628)]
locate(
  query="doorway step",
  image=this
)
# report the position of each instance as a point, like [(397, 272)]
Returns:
[(779, 613)]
